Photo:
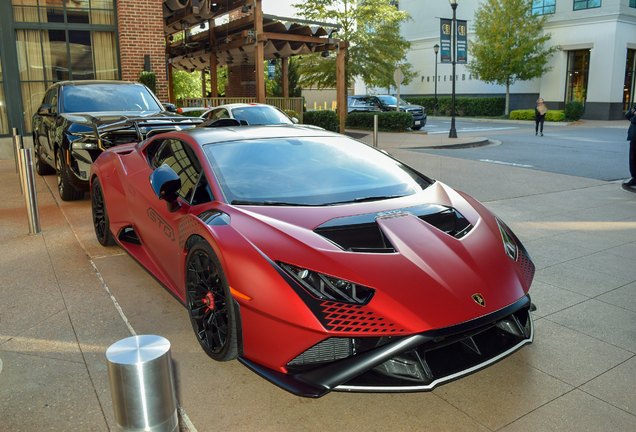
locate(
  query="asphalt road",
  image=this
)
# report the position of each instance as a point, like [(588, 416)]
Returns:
[(599, 153)]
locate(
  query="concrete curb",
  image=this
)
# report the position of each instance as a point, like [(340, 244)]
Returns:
[(481, 142)]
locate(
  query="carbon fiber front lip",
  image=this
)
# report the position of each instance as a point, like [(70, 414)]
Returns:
[(321, 380), (432, 385)]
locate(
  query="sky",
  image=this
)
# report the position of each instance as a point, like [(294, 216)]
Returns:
[(280, 7)]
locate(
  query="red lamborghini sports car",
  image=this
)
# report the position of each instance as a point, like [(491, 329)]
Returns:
[(319, 262)]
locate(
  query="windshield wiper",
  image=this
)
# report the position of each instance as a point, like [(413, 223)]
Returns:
[(369, 198), (268, 203)]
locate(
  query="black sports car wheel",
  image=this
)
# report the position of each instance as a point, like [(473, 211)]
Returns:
[(210, 304), (41, 167), (67, 191), (100, 216)]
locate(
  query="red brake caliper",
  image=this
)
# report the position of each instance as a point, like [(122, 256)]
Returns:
[(209, 300)]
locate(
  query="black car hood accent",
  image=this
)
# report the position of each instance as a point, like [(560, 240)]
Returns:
[(361, 233)]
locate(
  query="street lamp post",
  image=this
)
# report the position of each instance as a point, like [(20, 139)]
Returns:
[(436, 49), (453, 132)]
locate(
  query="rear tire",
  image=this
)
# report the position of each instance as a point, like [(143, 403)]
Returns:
[(100, 216), (66, 190)]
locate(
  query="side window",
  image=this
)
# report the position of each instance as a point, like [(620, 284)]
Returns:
[(182, 159), (53, 101), (220, 113), (202, 192)]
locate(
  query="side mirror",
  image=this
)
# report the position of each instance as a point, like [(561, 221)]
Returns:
[(294, 120), (165, 183), (170, 107)]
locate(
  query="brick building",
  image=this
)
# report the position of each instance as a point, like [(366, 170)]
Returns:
[(45, 41)]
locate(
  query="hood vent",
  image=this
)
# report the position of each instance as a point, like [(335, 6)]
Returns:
[(361, 233)]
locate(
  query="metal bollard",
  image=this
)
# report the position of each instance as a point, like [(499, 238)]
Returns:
[(17, 140), (17, 146), (375, 131), (15, 133), (30, 195), (141, 384)]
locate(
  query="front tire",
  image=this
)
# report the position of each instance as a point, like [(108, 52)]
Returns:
[(210, 304), (66, 190), (101, 222)]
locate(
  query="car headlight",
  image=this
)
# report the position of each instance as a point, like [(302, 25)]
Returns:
[(509, 244), (79, 145), (329, 288)]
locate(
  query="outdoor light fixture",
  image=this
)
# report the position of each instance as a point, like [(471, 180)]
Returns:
[(436, 49), (453, 133)]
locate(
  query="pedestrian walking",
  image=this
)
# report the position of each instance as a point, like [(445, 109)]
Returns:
[(539, 116), (631, 137)]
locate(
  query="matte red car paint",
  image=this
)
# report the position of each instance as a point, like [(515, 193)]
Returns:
[(427, 284)]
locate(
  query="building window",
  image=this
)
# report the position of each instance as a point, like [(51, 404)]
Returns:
[(543, 7), (67, 12), (632, 3), (586, 4), (4, 124), (72, 40), (630, 80), (578, 72)]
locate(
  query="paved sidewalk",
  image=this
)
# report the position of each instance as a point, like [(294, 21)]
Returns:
[(64, 299)]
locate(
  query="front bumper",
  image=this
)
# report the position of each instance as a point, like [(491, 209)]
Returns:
[(418, 362)]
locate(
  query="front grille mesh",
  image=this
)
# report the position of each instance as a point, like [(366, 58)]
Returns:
[(326, 351)]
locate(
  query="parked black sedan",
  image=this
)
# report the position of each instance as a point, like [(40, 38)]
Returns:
[(79, 119)]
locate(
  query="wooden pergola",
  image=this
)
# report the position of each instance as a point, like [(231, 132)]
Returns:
[(249, 38)]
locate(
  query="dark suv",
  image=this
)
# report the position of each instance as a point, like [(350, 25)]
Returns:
[(79, 119), (388, 103)]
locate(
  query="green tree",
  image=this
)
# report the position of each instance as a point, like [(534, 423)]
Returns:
[(509, 44), (186, 84), (372, 27)]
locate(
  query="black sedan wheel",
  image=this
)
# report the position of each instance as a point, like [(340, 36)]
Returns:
[(210, 304), (100, 216), (67, 191), (41, 167)]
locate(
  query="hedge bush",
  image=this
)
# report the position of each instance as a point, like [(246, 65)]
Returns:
[(148, 79), (573, 110), (291, 113), (193, 113), (555, 116), (551, 115), (522, 114), (325, 119), (387, 121), (473, 107)]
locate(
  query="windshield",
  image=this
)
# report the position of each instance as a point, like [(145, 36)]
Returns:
[(308, 171), (390, 100), (260, 115), (107, 97)]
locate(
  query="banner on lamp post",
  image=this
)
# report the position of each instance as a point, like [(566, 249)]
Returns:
[(462, 42), (445, 40)]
